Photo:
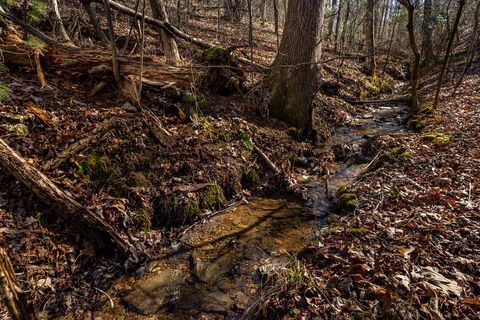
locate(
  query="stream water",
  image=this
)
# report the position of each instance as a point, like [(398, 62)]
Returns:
[(215, 269)]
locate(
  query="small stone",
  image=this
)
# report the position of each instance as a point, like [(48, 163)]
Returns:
[(127, 106)]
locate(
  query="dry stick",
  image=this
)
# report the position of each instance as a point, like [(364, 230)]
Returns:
[(13, 296), (134, 22), (80, 145), (89, 223), (267, 160)]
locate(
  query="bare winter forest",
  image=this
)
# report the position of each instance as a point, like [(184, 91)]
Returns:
[(239, 159)]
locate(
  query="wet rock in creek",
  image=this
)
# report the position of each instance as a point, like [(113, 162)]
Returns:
[(210, 271), (153, 293)]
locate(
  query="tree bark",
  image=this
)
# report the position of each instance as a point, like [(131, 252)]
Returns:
[(427, 30), (414, 103), (296, 72), (66, 208), (113, 46), (169, 44), (370, 63), (461, 5), (331, 23), (87, 5)]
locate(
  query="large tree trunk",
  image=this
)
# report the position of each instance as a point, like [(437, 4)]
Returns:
[(370, 63), (296, 72), (461, 6), (414, 103), (169, 44), (427, 30), (87, 222)]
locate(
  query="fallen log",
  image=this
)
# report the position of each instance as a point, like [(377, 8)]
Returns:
[(66, 208), (80, 145), (12, 294)]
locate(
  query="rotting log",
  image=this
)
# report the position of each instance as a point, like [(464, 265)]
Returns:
[(80, 145), (89, 223), (98, 64), (12, 294)]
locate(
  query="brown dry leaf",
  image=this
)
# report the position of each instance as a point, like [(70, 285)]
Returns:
[(405, 252)]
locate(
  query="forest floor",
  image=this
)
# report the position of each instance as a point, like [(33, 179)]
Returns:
[(409, 246)]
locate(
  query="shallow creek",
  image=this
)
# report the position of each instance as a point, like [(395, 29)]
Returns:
[(215, 269)]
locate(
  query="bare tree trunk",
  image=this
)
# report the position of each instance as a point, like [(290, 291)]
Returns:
[(461, 5), (94, 21), (414, 103), (387, 59), (59, 22), (370, 65), (113, 46), (331, 23), (427, 30), (275, 14), (337, 23), (472, 49), (296, 71), (169, 44)]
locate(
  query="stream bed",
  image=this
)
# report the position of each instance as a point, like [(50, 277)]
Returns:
[(215, 269)]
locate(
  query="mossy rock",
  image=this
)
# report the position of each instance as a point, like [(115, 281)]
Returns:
[(331, 231), (198, 104), (138, 179), (436, 137), (214, 198), (346, 202), (399, 152), (356, 232)]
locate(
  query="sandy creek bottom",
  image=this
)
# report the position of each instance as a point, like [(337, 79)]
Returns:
[(215, 270)]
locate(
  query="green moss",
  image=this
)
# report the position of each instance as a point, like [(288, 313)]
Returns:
[(143, 220), (331, 231), (399, 152), (356, 232), (293, 132), (250, 177), (193, 209), (332, 218), (247, 141), (20, 130), (138, 179), (436, 137), (346, 202), (214, 198), (5, 92), (375, 85), (96, 167), (392, 315), (359, 315), (427, 108), (34, 43), (213, 52)]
